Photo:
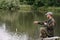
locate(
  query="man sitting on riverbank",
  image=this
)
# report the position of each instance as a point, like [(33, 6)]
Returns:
[(47, 30)]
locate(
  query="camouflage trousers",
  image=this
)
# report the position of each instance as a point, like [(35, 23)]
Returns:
[(44, 32)]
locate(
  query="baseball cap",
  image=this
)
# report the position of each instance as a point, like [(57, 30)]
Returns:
[(49, 13)]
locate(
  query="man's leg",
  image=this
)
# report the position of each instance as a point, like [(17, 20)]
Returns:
[(50, 32), (43, 32)]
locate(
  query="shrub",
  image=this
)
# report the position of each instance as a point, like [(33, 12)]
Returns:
[(12, 4)]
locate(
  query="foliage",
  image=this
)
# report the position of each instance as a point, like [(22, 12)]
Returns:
[(42, 2), (15, 4), (9, 4)]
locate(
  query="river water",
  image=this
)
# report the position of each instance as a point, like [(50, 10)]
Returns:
[(5, 35)]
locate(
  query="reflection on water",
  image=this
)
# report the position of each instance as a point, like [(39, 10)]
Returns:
[(5, 35)]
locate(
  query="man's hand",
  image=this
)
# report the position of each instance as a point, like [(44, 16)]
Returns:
[(35, 22), (45, 23)]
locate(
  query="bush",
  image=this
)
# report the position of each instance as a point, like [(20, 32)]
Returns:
[(12, 4)]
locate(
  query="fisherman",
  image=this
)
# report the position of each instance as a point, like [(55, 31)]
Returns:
[(47, 30)]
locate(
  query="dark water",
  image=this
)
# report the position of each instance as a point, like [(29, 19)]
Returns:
[(23, 22)]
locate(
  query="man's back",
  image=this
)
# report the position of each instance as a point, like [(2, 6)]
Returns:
[(50, 27)]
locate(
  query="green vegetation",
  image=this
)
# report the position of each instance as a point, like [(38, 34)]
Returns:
[(9, 4), (15, 4)]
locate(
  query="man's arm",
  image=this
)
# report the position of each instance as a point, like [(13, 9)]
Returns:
[(50, 23), (38, 22)]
